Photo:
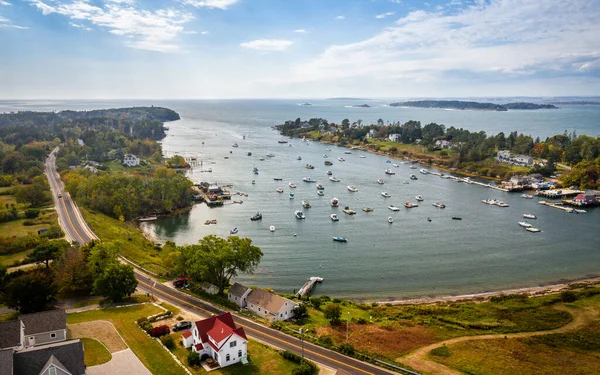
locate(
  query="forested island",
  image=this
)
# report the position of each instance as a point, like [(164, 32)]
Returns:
[(460, 149), (465, 105)]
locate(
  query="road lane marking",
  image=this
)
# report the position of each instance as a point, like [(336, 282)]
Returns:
[(256, 330)]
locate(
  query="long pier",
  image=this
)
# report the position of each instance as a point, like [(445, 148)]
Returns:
[(559, 206), (469, 181), (309, 285)]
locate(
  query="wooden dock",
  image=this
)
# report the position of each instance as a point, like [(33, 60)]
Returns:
[(555, 205), (309, 285), (469, 181), (558, 193)]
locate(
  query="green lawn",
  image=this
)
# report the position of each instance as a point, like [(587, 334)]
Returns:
[(16, 228), (134, 245), (7, 199), (263, 360), (8, 316), (94, 352), (150, 352), (88, 302), (9, 260)]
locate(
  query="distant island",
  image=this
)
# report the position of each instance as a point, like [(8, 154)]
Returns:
[(580, 102), (306, 104), (458, 104), (347, 98), (361, 106)]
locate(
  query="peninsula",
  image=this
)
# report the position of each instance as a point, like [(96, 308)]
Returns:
[(465, 105)]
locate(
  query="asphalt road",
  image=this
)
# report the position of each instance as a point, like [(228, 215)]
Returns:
[(69, 216), (77, 230)]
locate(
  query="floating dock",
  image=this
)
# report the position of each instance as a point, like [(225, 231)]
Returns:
[(309, 285), (557, 205), (558, 193)]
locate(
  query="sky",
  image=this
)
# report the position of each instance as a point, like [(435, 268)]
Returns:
[(176, 49)]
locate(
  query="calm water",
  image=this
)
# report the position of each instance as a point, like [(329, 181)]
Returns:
[(412, 257)]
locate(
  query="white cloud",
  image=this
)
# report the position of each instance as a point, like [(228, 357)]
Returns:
[(340, 17), (219, 4), (204, 32), (80, 26), (5, 23), (5, 3), (149, 30), (268, 44), (495, 38), (384, 15), (301, 31)]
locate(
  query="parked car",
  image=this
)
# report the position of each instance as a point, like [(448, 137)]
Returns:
[(182, 326), (59, 195), (181, 282)]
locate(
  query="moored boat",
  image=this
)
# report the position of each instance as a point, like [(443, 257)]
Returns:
[(424, 171), (529, 216), (309, 166), (309, 179), (292, 185), (347, 152), (277, 178), (298, 157), (319, 186), (334, 179), (367, 209), (306, 204), (291, 195), (282, 141), (299, 215), (396, 165), (393, 208), (456, 218), (352, 188), (320, 193), (385, 194), (329, 173), (327, 162), (413, 177), (532, 229), (279, 190), (233, 231), (272, 228), (527, 196), (348, 211), (413, 167), (380, 181), (407, 204), (334, 217), (234, 145), (389, 171), (390, 220), (439, 205), (148, 218), (257, 216), (341, 159), (419, 198), (525, 224), (340, 239), (325, 156), (270, 155), (335, 202)]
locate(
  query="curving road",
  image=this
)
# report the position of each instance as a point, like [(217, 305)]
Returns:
[(76, 230), (69, 216)]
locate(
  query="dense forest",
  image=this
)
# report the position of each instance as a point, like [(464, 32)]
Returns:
[(459, 104), (470, 151)]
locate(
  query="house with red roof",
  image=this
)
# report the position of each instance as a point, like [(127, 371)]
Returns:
[(217, 337)]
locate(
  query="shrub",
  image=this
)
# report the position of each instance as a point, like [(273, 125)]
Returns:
[(336, 300), (441, 351), (160, 331), (347, 349), (292, 357), (146, 326), (306, 368), (32, 213), (374, 304), (315, 302), (361, 321), (168, 341), (193, 359), (333, 312), (568, 296), (277, 325), (179, 318), (326, 341), (142, 320), (325, 298)]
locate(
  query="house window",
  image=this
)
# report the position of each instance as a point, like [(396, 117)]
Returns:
[(240, 353), (232, 344), (52, 371), (259, 309), (53, 335), (227, 358), (236, 298), (281, 315)]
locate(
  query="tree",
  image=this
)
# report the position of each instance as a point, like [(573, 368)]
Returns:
[(101, 257), (345, 123), (29, 292), (71, 272), (116, 282), (217, 260), (44, 253), (333, 312), (300, 311)]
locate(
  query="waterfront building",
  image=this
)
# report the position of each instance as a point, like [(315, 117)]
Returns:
[(270, 306), (395, 137), (238, 294), (130, 160)]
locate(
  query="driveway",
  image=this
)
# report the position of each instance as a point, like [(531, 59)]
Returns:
[(123, 362)]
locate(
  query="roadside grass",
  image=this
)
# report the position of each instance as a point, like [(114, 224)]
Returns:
[(16, 228), (263, 360), (173, 309), (11, 260), (94, 352), (150, 352), (88, 302), (134, 246)]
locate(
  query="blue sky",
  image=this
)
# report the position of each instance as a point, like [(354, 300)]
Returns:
[(298, 49)]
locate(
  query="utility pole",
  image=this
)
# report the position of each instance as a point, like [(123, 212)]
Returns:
[(347, 322), (302, 341)]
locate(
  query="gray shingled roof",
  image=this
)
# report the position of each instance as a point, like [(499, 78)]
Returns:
[(238, 290), (31, 361), (267, 300), (10, 334), (6, 362), (45, 321)]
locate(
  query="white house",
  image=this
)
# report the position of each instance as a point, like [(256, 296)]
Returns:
[(80, 142), (372, 133), (270, 306), (210, 288), (217, 337), (442, 143), (238, 294), (394, 137), (524, 160), (505, 156), (130, 160)]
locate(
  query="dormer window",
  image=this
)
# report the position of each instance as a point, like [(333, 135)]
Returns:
[(232, 344)]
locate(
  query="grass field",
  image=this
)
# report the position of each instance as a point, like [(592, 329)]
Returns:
[(94, 352), (134, 245), (263, 360), (9, 260), (150, 352), (16, 228)]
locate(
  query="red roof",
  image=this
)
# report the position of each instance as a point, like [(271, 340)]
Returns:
[(186, 334), (218, 328), (199, 347)]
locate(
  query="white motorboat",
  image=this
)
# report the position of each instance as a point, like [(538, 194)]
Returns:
[(532, 229), (525, 224), (299, 215), (309, 179), (362, 156), (292, 185), (395, 165), (413, 177), (390, 219), (325, 156), (527, 196), (299, 157), (320, 186), (347, 152), (305, 204), (234, 145), (439, 205), (579, 211), (501, 204), (413, 167), (334, 179), (380, 181), (320, 193), (262, 159), (393, 208), (279, 190), (270, 155), (405, 182), (424, 171), (385, 194), (329, 173), (419, 198), (335, 202), (341, 159), (489, 201), (334, 217), (272, 228), (389, 171), (407, 204), (529, 216), (352, 188)]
